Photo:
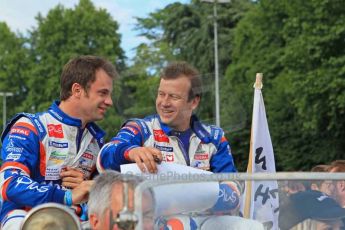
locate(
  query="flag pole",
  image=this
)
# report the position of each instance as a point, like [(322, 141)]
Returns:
[(258, 81), (246, 211)]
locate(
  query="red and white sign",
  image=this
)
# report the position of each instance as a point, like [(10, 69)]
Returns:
[(55, 130), (160, 136), (169, 158), (88, 155), (201, 156)]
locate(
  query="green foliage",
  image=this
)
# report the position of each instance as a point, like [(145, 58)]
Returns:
[(185, 32), (66, 33), (14, 68), (299, 46), (32, 69)]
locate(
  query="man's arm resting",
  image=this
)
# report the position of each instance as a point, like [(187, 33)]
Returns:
[(113, 154), (19, 188)]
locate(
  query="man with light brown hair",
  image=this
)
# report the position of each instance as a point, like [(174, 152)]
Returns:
[(325, 186), (339, 185)]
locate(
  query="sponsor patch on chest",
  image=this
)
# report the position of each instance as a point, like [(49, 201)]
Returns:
[(55, 131), (169, 157), (164, 148), (60, 145), (201, 156), (160, 136)]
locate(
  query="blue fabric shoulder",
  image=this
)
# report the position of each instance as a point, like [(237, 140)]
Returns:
[(34, 120), (214, 136), (145, 130)]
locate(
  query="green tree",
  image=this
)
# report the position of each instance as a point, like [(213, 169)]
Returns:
[(14, 68), (185, 32), (299, 48)]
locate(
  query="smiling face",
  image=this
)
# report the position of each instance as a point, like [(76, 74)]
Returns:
[(172, 102), (97, 98)]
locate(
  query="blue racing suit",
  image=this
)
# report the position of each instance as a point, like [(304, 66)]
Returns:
[(208, 147), (35, 147)]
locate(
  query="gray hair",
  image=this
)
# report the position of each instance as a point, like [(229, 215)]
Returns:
[(101, 190)]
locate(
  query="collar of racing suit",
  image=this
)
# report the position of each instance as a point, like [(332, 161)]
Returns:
[(57, 113), (196, 127)]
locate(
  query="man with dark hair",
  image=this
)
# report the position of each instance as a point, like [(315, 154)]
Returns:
[(174, 134), (50, 156)]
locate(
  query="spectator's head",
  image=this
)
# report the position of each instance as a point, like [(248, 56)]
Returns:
[(179, 93), (324, 186), (293, 186), (338, 166), (106, 200), (312, 205), (320, 168)]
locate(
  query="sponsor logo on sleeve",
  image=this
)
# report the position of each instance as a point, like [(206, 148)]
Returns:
[(11, 148), (21, 131), (30, 184), (55, 130), (216, 134), (17, 137), (38, 124), (13, 156), (131, 129)]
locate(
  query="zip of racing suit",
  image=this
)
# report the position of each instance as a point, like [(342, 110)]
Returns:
[(35, 149), (208, 149)]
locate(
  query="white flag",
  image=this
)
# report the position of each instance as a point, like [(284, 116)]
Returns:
[(260, 199)]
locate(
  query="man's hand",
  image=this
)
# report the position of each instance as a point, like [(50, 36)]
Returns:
[(80, 194), (146, 158), (71, 177)]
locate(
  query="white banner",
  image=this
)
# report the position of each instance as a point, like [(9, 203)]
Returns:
[(260, 201)]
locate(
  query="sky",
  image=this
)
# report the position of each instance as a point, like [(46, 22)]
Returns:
[(19, 15)]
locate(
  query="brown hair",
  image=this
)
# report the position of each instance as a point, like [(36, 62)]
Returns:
[(337, 166), (180, 68), (320, 168), (82, 70)]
